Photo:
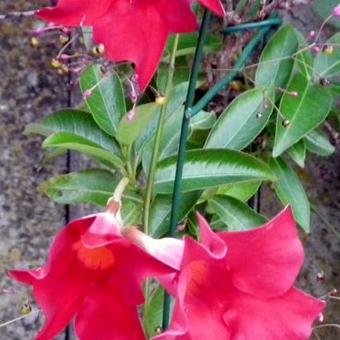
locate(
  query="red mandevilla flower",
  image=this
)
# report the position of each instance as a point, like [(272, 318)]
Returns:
[(95, 273), (239, 286), (131, 30)]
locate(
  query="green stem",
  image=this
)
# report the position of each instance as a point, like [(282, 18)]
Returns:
[(155, 153), (159, 130), (176, 197)]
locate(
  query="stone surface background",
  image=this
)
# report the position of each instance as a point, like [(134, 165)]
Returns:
[(29, 89)]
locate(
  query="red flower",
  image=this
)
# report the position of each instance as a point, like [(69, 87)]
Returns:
[(133, 30), (95, 273), (239, 286)]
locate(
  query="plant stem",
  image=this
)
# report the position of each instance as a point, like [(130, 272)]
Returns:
[(159, 130), (176, 197), (155, 153)]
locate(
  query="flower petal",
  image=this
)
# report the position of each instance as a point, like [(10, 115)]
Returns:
[(178, 15), (75, 12), (104, 230), (213, 5), (289, 316), (61, 285), (136, 32), (133, 266), (212, 241), (106, 315), (167, 250), (201, 288), (265, 261)]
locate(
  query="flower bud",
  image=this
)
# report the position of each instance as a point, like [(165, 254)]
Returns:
[(160, 100), (98, 50), (336, 11), (56, 63), (87, 94)]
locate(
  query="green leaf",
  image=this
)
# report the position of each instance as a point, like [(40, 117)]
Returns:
[(130, 129), (327, 62), (93, 186), (304, 58), (169, 139), (187, 45), (290, 191), (78, 123), (161, 209), (276, 62), (317, 142), (211, 168), (107, 102), (241, 191), (73, 142), (203, 120), (235, 214), (176, 99), (154, 312), (304, 112), (242, 121), (297, 152), (144, 124)]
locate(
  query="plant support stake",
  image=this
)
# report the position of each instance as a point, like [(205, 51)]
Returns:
[(176, 197)]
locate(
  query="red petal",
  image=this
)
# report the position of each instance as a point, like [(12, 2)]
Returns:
[(289, 316), (104, 229), (133, 31), (265, 261), (214, 244), (178, 15), (75, 12), (167, 250), (61, 285), (105, 315), (214, 5), (133, 266), (201, 291)]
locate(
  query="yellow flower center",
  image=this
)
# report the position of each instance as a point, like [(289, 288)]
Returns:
[(94, 258)]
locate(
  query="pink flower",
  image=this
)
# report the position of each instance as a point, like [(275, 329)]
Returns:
[(133, 30), (95, 274), (239, 286), (336, 11)]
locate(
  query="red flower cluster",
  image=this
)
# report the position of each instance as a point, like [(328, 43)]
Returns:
[(95, 274), (131, 30), (239, 286), (232, 285)]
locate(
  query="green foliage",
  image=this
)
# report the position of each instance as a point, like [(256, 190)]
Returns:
[(219, 179), (211, 168), (242, 121), (290, 191), (276, 62), (105, 99), (327, 61), (305, 105), (234, 213)]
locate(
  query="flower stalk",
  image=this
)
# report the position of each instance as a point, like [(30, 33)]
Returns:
[(159, 131)]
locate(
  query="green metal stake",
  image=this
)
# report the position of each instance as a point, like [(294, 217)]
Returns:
[(176, 197), (253, 25), (248, 50)]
